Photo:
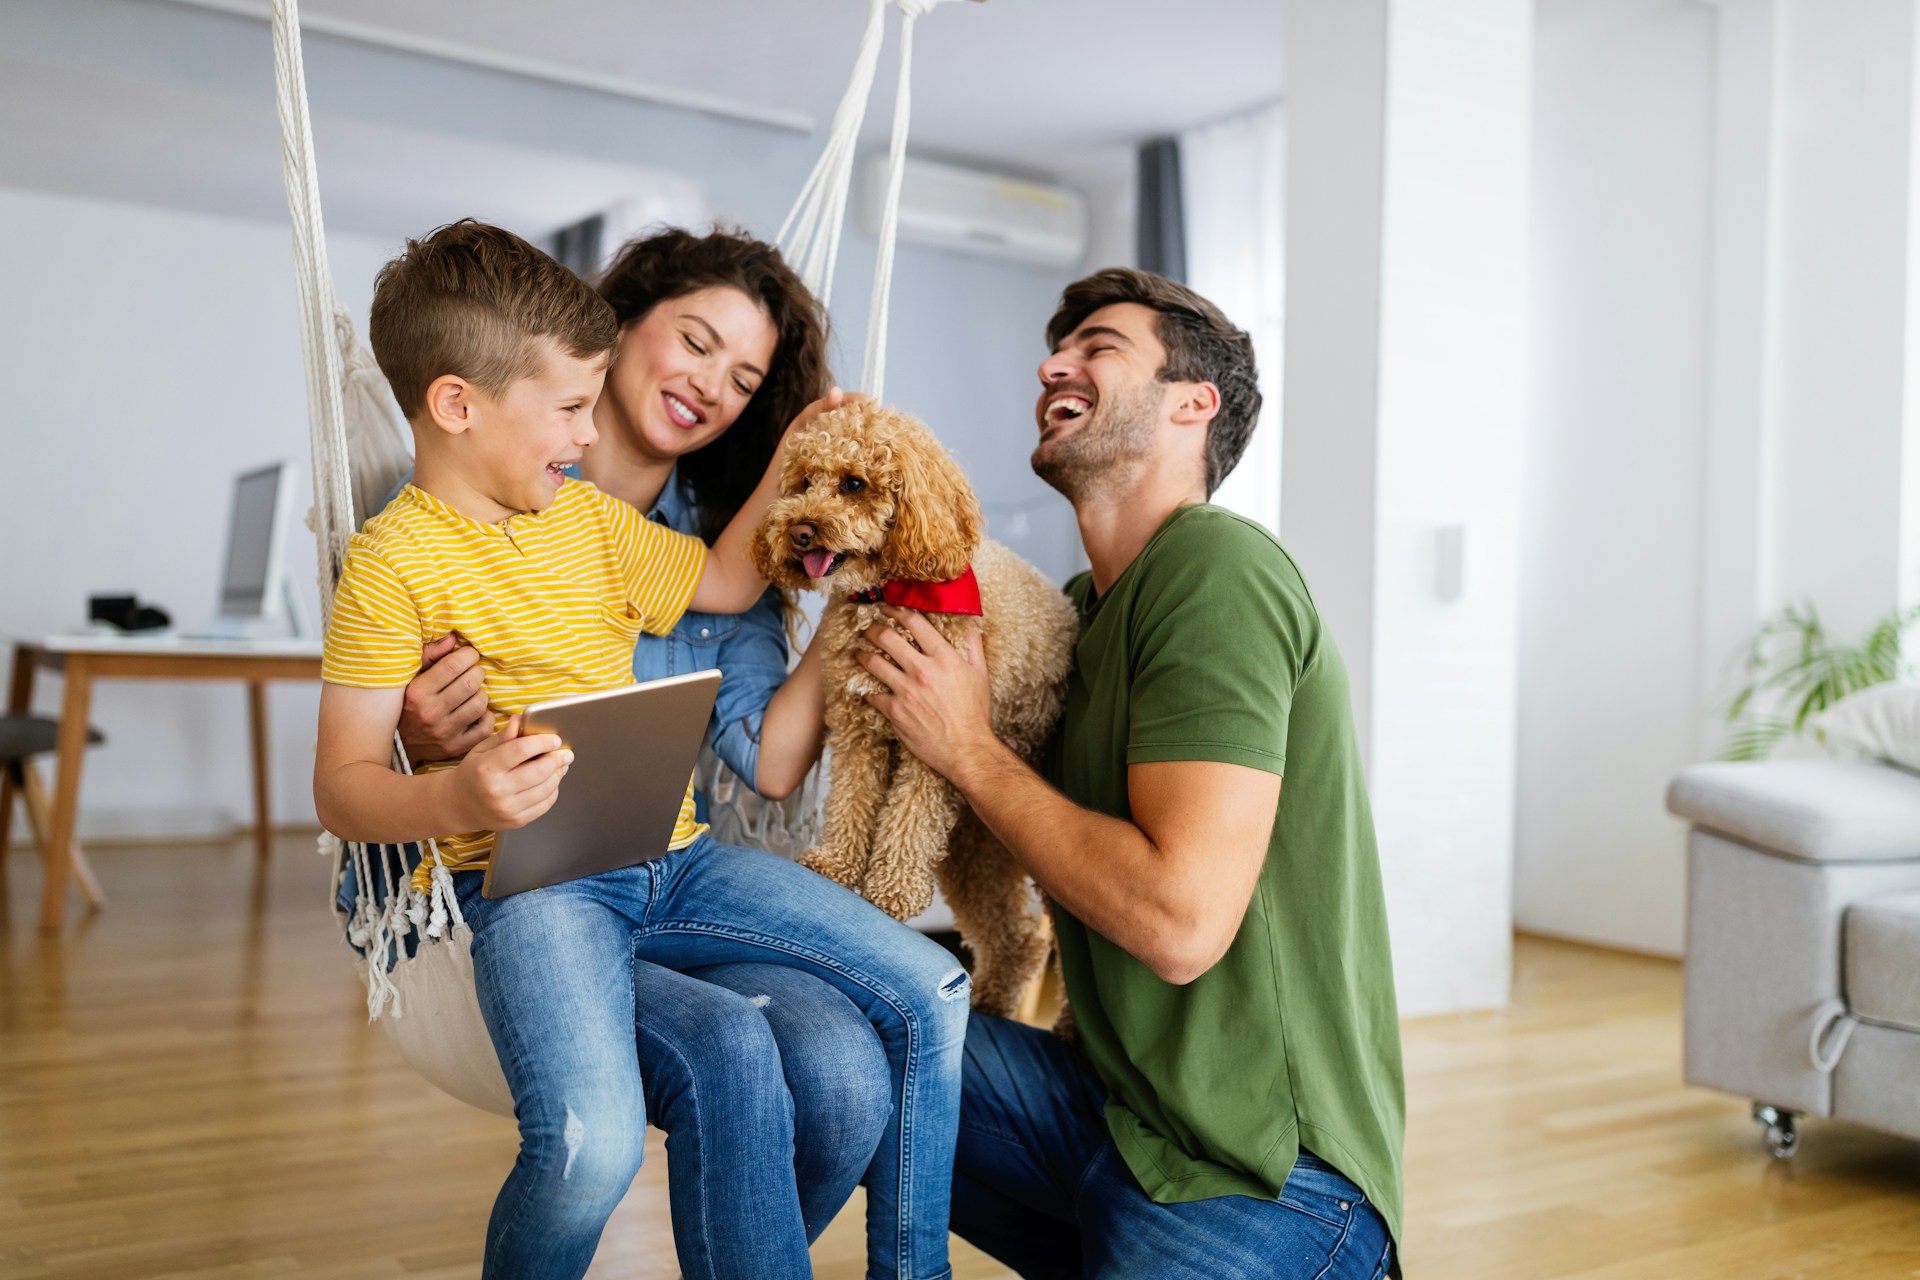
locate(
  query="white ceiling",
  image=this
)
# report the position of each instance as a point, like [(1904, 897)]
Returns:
[(1035, 82), (1058, 87)]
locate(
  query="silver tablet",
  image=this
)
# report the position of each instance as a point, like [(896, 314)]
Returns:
[(633, 750)]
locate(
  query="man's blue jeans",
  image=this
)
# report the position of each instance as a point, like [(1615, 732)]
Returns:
[(1039, 1184), (554, 969)]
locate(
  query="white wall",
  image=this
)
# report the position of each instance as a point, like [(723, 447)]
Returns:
[(1610, 532), (1723, 405), (1842, 396), (147, 356)]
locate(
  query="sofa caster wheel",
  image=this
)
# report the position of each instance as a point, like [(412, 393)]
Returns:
[(1783, 1131)]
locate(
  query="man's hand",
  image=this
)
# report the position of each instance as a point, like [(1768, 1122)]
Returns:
[(938, 697), (508, 781), (444, 714)]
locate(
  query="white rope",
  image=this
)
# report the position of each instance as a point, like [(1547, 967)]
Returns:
[(810, 236), (358, 452), (873, 370), (333, 503)]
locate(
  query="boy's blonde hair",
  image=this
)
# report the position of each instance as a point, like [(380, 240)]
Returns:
[(472, 300)]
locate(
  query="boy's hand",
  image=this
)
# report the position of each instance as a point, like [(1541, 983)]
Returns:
[(508, 781), (445, 713)]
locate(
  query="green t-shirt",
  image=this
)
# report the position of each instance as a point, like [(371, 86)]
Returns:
[(1209, 647)]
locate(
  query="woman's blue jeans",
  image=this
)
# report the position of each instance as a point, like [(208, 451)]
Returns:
[(562, 974), (1039, 1184)]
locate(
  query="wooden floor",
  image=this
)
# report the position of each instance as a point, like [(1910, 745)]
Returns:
[(188, 1087)]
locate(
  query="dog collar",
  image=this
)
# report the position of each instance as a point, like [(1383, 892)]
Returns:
[(956, 595)]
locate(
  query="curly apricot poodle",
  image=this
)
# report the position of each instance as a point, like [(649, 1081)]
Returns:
[(872, 508)]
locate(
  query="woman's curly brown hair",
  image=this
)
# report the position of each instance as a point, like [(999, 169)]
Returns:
[(674, 262)]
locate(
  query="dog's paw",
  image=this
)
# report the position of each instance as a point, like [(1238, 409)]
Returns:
[(822, 861)]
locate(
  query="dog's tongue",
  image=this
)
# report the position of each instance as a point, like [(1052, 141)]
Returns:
[(817, 561)]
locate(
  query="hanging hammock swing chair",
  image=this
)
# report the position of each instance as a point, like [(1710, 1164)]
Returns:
[(416, 946)]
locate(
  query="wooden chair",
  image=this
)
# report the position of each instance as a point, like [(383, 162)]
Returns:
[(21, 739)]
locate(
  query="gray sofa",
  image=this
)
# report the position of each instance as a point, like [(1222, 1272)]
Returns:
[(1803, 940)]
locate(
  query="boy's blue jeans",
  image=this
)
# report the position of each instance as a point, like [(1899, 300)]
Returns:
[(699, 1036), (555, 972), (1039, 1184)]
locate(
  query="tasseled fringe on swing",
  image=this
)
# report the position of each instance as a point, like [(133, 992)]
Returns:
[(738, 815), (379, 925)]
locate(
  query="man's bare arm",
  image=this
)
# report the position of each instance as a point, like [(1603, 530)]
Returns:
[(1170, 887)]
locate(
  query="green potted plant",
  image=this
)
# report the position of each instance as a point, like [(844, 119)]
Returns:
[(1795, 670)]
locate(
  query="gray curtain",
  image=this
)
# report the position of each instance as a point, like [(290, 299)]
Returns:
[(1161, 233), (577, 247)]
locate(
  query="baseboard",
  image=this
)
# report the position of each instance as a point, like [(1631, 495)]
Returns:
[(118, 835), (1598, 944)]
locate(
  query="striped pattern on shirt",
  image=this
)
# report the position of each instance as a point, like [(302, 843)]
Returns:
[(553, 601)]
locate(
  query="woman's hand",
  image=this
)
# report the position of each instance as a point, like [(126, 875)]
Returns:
[(834, 399), (508, 781), (444, 714)]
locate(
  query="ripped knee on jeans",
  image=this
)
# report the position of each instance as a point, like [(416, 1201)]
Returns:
[(957, 986)]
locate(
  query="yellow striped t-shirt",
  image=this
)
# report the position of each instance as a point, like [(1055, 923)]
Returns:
[(552, 601)]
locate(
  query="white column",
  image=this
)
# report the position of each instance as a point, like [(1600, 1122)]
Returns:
[(1406, 369), (1907, 570), (1736, 481)]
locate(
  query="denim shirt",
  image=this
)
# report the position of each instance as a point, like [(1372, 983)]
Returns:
[(749, 649)]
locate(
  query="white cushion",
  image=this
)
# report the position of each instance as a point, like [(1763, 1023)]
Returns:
[(1816, 810), (1882, 723), (1883, 959)]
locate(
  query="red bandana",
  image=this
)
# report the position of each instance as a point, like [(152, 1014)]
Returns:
[(956, 595)]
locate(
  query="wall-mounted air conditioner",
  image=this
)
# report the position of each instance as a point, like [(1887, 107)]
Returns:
[(977, 212)]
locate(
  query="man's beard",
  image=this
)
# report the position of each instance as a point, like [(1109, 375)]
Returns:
[(1107, 451)]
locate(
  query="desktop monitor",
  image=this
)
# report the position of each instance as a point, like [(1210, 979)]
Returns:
[(253, 586)]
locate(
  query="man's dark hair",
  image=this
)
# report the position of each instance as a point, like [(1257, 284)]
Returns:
[(1202, 346)]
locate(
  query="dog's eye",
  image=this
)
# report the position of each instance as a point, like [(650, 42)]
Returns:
[(852, 484), (806, 483)]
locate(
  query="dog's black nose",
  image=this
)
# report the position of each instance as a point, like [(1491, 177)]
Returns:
[(801, 535)]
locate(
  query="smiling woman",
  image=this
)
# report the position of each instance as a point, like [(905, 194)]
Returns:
[(701, 317)]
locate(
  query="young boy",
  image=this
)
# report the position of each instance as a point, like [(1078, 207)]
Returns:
[(497, 354)]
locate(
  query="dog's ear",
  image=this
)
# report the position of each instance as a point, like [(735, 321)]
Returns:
[(769, 548), (936, 518)]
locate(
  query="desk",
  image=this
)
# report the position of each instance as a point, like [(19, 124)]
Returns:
[(85, 659)]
